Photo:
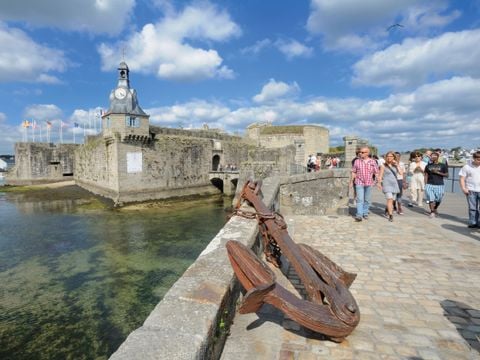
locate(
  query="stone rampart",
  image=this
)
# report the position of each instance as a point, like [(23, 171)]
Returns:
[(207, 134), (96, 166), (37, 163), (170, 166), (192, 320)]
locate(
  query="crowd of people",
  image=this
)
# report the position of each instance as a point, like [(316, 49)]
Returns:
[(424, 176), (315, 163)]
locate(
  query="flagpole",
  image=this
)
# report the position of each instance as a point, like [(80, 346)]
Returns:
[(61, 132), (41, 136)]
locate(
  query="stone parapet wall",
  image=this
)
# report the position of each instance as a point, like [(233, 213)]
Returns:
[(192, 320), (317, 193)]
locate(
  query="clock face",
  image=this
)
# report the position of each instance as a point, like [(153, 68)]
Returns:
[(120, 93)]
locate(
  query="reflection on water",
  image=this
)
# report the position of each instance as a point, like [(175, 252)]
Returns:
[(74, 283)]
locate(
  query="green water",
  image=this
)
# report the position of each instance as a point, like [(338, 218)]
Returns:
[(76, 278)]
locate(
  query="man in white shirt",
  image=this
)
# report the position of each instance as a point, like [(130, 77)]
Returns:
[(470, 185)]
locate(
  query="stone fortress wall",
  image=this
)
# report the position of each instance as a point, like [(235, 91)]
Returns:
[(96, 166), (308, 139), (37, 163), (176, 163)]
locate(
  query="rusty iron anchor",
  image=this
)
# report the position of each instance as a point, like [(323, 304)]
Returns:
[(329, 309)]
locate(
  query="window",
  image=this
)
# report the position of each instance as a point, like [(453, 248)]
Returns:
[(131, 121)]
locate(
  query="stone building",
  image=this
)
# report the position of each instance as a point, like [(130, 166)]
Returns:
[(133, 161), (307, 139)]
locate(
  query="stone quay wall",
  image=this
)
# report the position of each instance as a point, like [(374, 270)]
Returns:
[(192, 320), (38, 163)]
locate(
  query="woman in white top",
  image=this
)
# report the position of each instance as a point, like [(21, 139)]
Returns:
[(417, 183)]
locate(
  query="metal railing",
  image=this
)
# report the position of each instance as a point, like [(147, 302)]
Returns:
[(452, 183)]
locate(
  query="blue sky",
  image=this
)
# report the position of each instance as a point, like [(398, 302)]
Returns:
[(336, 63)]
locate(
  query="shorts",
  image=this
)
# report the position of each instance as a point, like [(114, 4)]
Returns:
[(434, 192), (390, 195)]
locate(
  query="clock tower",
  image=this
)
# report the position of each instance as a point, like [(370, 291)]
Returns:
[(125, 118)]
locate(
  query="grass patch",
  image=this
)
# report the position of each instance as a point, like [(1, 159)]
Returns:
[(288, 129)]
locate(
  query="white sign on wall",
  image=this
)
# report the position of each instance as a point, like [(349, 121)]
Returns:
[(134, 162)]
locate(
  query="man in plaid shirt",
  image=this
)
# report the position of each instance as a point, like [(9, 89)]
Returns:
[(363, 170)]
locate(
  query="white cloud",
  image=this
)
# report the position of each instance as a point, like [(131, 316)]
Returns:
[(196, 112), (292, 48), (444, 113), (352, 25), (427, 15), (416, 60), (10, 135), (21, 59), (42, 112), (94, 16), (274, 90), (258, 47), (89, 121), (166, 48)]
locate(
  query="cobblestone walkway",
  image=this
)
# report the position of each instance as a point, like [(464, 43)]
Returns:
[(418, 289)]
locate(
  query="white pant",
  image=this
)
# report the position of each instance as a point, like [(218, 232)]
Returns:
[(417, 185)]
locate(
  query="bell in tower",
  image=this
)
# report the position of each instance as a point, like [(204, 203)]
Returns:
[(123, 75)]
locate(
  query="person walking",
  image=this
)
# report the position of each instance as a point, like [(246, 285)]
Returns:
[(312, 159), (435, 172), (402, 184), (388, 182), (416, 171), (363, 170), (470, 185)]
